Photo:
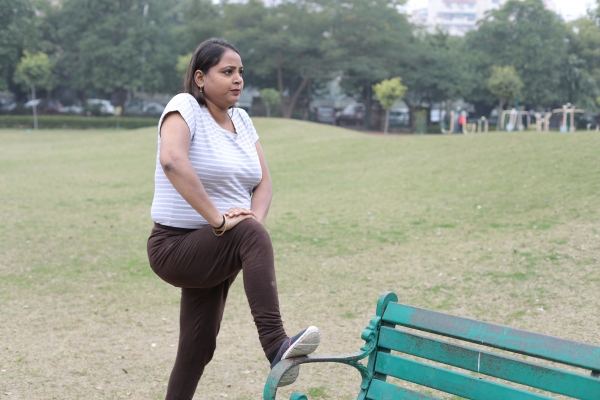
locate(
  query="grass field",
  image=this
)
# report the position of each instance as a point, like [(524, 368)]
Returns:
[(501, 227)]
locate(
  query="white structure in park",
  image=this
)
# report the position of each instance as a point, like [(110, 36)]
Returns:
[(460, 16)]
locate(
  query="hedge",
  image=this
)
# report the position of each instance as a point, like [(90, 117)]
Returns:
[(76, 122)]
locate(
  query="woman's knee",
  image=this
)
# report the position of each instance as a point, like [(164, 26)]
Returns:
[(255, 237), (255, 230)]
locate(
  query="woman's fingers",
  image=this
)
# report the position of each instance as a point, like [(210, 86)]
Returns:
[(235, 211), (233, 221)]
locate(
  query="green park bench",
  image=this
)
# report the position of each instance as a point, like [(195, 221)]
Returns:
[(395, 349)]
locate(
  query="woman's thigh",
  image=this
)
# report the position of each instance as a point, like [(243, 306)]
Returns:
[(199, 258)]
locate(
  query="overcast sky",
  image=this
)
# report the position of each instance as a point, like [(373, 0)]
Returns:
[(569, 9)]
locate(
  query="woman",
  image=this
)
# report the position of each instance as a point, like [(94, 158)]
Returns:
[(212, 194)]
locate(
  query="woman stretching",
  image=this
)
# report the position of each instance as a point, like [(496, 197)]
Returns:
[(211, 198)]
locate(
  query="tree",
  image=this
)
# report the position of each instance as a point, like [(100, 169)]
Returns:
[(388, 92), (505, 84), (195, 21), (17, 32), (33, 69), (435, 70), (182, 65), (529, 37), (114, 47), (369, 42), (270, 98), (282, 46), (582, 72)]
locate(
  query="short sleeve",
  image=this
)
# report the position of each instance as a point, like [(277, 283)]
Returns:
[(185, 104), (248, 124)]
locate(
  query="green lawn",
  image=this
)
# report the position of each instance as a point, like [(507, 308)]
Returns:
[(502, 226)]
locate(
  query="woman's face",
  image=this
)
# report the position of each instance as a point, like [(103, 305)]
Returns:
[(223, 83)]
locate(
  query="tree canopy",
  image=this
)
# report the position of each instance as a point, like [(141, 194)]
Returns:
[(388, 92), (527, 36), (121, 48)]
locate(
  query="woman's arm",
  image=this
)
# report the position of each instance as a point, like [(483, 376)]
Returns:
[(263, 193)]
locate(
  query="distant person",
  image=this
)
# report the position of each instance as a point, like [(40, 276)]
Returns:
[(211, 198), (462, 120)]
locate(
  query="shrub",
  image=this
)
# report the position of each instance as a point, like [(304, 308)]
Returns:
[(76, 122)]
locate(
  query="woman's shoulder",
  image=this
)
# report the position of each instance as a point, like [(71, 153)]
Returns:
[(243, 115), (247, 123), (186, 105), (183, 100)]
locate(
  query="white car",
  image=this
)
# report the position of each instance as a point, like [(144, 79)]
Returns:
[(72, 109), (104, 106), (33, 103)]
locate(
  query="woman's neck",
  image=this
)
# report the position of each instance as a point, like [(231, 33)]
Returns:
[(220, 116)]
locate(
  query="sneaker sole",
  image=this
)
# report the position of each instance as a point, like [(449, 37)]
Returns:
[(290, 376), (306, 344)]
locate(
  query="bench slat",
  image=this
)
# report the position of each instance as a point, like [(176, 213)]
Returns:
[(526, 373), (448, 381), (382, 390), (499, 336)]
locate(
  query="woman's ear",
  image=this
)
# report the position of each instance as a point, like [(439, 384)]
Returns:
[(199, 78)]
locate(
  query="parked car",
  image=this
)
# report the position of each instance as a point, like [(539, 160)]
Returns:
[(139, 108), (33, 103), (133, 108), (100, 107), (52, 106), (325, 115), (8, 107), (76, 109), (153, 109), (399, 117), (353, 114)]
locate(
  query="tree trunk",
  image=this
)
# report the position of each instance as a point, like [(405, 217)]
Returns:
[(368, 104), (292, 103), (412, 111), (387, 121), (287, 105), (121, 95), (500, 105), (35, 121), (268, 110), (280, 83)]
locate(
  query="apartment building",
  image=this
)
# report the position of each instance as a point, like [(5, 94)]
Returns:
[(460, 16)]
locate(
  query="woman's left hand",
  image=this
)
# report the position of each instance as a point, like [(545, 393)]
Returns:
[(236, 211)]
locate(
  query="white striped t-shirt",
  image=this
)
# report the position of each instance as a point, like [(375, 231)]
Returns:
[(226, 163)]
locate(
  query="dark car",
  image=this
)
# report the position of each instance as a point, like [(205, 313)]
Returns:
[(52, 106), (353, 114), (45, 106), (325, 115)]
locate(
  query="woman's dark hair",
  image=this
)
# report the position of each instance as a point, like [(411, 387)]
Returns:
[(207, 55)]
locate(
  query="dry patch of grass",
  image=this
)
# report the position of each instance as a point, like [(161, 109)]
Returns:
[(501, 227)]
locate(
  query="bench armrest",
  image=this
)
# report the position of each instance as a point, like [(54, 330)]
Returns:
[(369, 335), (284, 365)]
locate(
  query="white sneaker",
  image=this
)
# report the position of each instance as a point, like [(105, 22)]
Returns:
[(302, 344)]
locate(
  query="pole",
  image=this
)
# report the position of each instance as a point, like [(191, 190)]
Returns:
[(146, 6), (35, 121)]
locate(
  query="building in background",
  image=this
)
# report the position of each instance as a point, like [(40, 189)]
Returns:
[(460, 16), (418, 16)]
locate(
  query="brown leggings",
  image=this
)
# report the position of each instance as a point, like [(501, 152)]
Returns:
[(205, 266)]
